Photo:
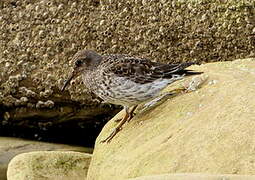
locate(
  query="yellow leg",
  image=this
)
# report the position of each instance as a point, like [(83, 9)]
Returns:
[(131, 114), (127, 117)]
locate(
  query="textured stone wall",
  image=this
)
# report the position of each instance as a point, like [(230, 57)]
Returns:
[(39, 37)]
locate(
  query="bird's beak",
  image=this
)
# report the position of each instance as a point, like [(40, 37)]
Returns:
[(67, 82)]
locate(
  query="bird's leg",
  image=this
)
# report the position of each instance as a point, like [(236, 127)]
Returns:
[(162, 98), (118, 128), (117, 120), (130, 114), (177, 91), (192, 85)]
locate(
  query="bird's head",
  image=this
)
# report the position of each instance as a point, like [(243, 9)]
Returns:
[(84, 60)]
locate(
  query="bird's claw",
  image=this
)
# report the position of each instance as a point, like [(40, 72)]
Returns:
[(109, 138)]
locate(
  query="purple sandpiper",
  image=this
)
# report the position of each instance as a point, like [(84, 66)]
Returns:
[(124, 80)]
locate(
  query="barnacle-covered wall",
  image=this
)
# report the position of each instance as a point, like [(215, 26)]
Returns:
[(39, 37)]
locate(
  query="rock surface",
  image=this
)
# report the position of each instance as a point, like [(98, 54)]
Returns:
[(38, 39), (10, 147), (45, 165), (210, 130), (195, 177)]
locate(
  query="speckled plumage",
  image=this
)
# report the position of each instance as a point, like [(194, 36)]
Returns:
[(125, 80)]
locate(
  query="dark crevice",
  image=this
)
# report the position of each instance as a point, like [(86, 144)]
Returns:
[(75, 132)]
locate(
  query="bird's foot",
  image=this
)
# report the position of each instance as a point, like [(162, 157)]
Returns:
[(113, 133), (160, 99), (188, 86), (117, 129), (128, 116), (117, 120)]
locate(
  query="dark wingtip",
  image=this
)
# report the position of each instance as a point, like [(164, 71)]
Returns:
[(187, 64), (190, 72)]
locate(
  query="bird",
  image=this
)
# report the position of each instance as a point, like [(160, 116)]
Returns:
[(124, 80)]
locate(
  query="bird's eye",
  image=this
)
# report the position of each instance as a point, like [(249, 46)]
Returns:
[(78, 63)]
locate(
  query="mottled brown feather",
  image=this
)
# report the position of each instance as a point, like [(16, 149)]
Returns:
[(143, 70)]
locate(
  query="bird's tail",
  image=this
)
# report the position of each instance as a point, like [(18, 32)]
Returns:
[(187, 72), (180, 69)]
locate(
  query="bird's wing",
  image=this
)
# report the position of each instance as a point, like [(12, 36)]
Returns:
[(143, 71)]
